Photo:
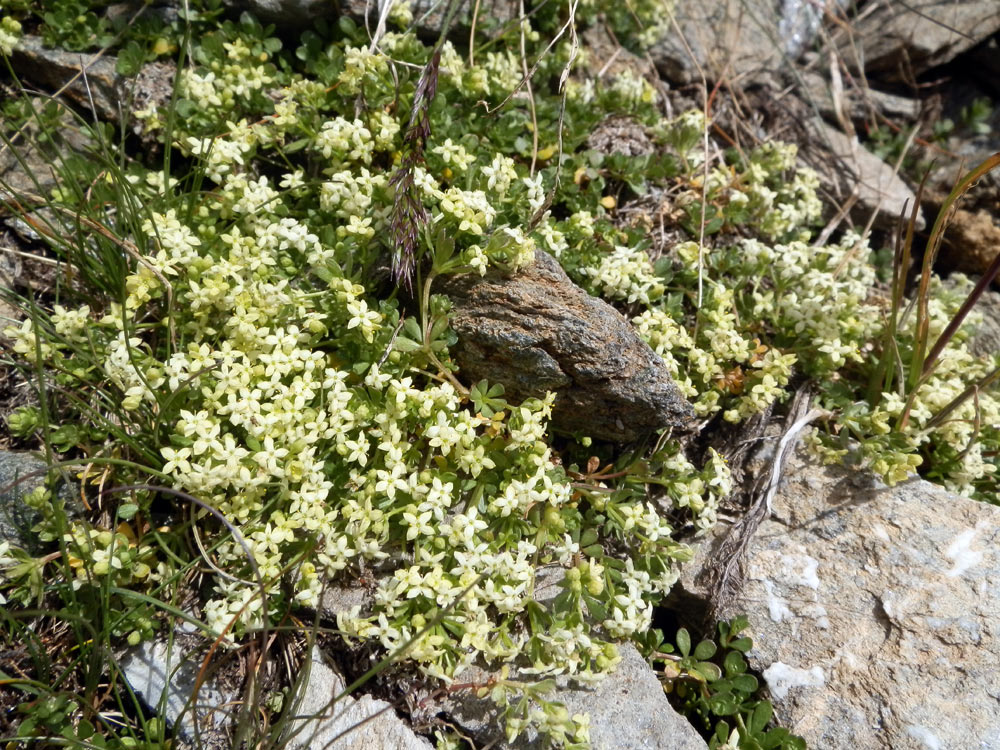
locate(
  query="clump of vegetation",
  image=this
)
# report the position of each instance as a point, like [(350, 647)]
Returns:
[(711, 685), (234, 352)]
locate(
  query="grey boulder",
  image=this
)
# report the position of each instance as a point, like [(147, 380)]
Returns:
[(628, 710), (536, 331), (899, 40), (875, 611), (730, 39), (164, 675), (20, 474), (856, 177), (323, 718)]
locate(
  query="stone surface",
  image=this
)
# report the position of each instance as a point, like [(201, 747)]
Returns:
[(875, 611), (801, 21), (899, 40), (16, 518), (858, 103), (972, 239), (164, 677), (986, 340), (537, 331), (846, 169), (620, 135), (57, 69), (730, 39), (91, 81), (322, 723), (28, 167), (628, 710)]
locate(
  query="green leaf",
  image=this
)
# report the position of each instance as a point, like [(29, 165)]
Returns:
[(723, 704), (745, 683), (683, 642), (406, 345), (84, 730), (704, 651), (734, 664), (709, 671), (127, 511), (742, 644), (761, 715), (722, 731)]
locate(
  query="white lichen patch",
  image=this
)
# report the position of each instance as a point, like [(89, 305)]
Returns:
[(777, 608), (781, 678), (924, 736), (800, 570), (961, 553)]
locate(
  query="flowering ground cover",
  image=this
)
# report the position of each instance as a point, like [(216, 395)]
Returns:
[(253, 343)]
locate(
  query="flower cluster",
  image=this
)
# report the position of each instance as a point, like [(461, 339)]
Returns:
[(10, 33), (256, 361)]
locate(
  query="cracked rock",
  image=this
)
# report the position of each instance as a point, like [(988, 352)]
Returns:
[(537, 331), (874, 611)]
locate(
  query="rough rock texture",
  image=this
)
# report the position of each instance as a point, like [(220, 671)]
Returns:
[(87, 78), (730, 39), (628, 710), (847, 169), (537, 332), (875, 611), (320, 722), (899, 40), (986, 340), (427, 14), (56, 69), (620, 135), (973, 236), (16, 518), (28, 167), (855, 102), (166, 674), (972, 240)]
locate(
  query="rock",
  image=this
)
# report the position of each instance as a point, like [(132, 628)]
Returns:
[(858, 103), (986, 340), (972, 238), (336, 598), (628, 709), (347, 724), (898, 41), (621, 135), (972, 241), (537, 332), (428, 15), (109, 95), (730, 39), (164, 676), (57, 69), (875, 611), (801, 21), (21, 473), (29, 167), (848, 169)]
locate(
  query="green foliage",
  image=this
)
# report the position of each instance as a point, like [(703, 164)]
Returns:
[(975, 116), (73, 25), (231, 334), (711, 686)]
